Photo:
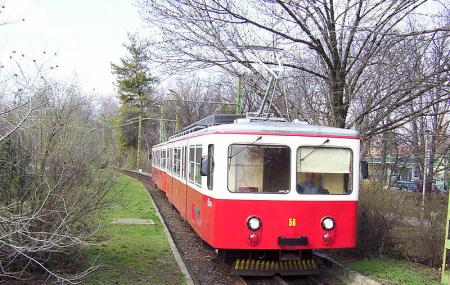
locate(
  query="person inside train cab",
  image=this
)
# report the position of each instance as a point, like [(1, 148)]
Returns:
[(309, 185)]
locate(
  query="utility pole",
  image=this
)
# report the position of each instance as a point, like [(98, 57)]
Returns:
[(238, 97), (424, 179), (138, 152), (162, 125), (177, 119)]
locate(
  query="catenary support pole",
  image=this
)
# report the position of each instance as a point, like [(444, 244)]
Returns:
[(424, 178)]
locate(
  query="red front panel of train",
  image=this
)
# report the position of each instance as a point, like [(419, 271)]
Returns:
[(288, 219), (223, 223)]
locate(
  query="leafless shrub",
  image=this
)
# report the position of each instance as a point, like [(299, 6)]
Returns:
[(50, 187), (431, 230), (380, 211)]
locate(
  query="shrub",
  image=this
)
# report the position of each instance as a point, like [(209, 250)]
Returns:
[(380, 211), (51, 187)]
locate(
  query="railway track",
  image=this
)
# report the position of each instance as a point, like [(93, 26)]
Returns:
[(278, 280), (327, 276)]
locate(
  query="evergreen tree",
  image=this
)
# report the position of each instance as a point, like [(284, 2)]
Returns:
[(135, 85)]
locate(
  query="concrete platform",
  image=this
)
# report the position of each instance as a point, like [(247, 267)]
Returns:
[(133, 222)]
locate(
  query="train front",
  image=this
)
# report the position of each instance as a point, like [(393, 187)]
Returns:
[(289, 194)]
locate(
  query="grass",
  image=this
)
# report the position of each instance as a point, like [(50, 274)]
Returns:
[(390, 271), (131, 254)]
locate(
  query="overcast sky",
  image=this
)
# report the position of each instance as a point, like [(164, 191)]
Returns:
[(87, 36)]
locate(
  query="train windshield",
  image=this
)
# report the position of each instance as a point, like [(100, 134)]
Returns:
[(259, 168), (324, 170)]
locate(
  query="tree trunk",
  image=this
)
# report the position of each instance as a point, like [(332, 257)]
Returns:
[(339, 109)]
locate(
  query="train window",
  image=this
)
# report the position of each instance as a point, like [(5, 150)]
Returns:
[(172, 168), (209, 178), (195, 158), (158, 158), (164, 159), (183, 163), (191, 163), (324, 170), (259, 168), (170, 164), (176, 161), (198, 162)]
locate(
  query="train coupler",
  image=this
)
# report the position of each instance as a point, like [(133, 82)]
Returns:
[(256, 267)]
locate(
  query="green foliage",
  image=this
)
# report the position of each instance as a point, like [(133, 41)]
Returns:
[(390, 271), (132, 254), (135, 87), (128, 134), (134, 79)]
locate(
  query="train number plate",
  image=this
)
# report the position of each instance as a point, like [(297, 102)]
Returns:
[(292, 222)]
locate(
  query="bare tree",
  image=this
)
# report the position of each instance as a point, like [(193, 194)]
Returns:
[(335, 44)]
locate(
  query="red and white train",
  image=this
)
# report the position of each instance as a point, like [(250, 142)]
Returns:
[(263, 184)]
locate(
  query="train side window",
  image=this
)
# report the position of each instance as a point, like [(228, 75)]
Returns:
[(163, 159), (183, 163), (195, 158), (176, 161), (159, 158), (170, 160), (172, 156), (166, 156), (191, 163), (210, 177), (198, 162)]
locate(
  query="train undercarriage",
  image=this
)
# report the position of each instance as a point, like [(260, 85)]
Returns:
[(271, 262)]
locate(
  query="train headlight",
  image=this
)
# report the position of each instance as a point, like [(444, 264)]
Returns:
[(254, 223), (327, 223)]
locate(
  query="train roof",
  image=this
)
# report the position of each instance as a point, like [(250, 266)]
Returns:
[(262, 126), (228, 123)]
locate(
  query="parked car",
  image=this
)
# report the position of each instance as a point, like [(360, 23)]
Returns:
[(406, 186), (442, 187), (434, 188)]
